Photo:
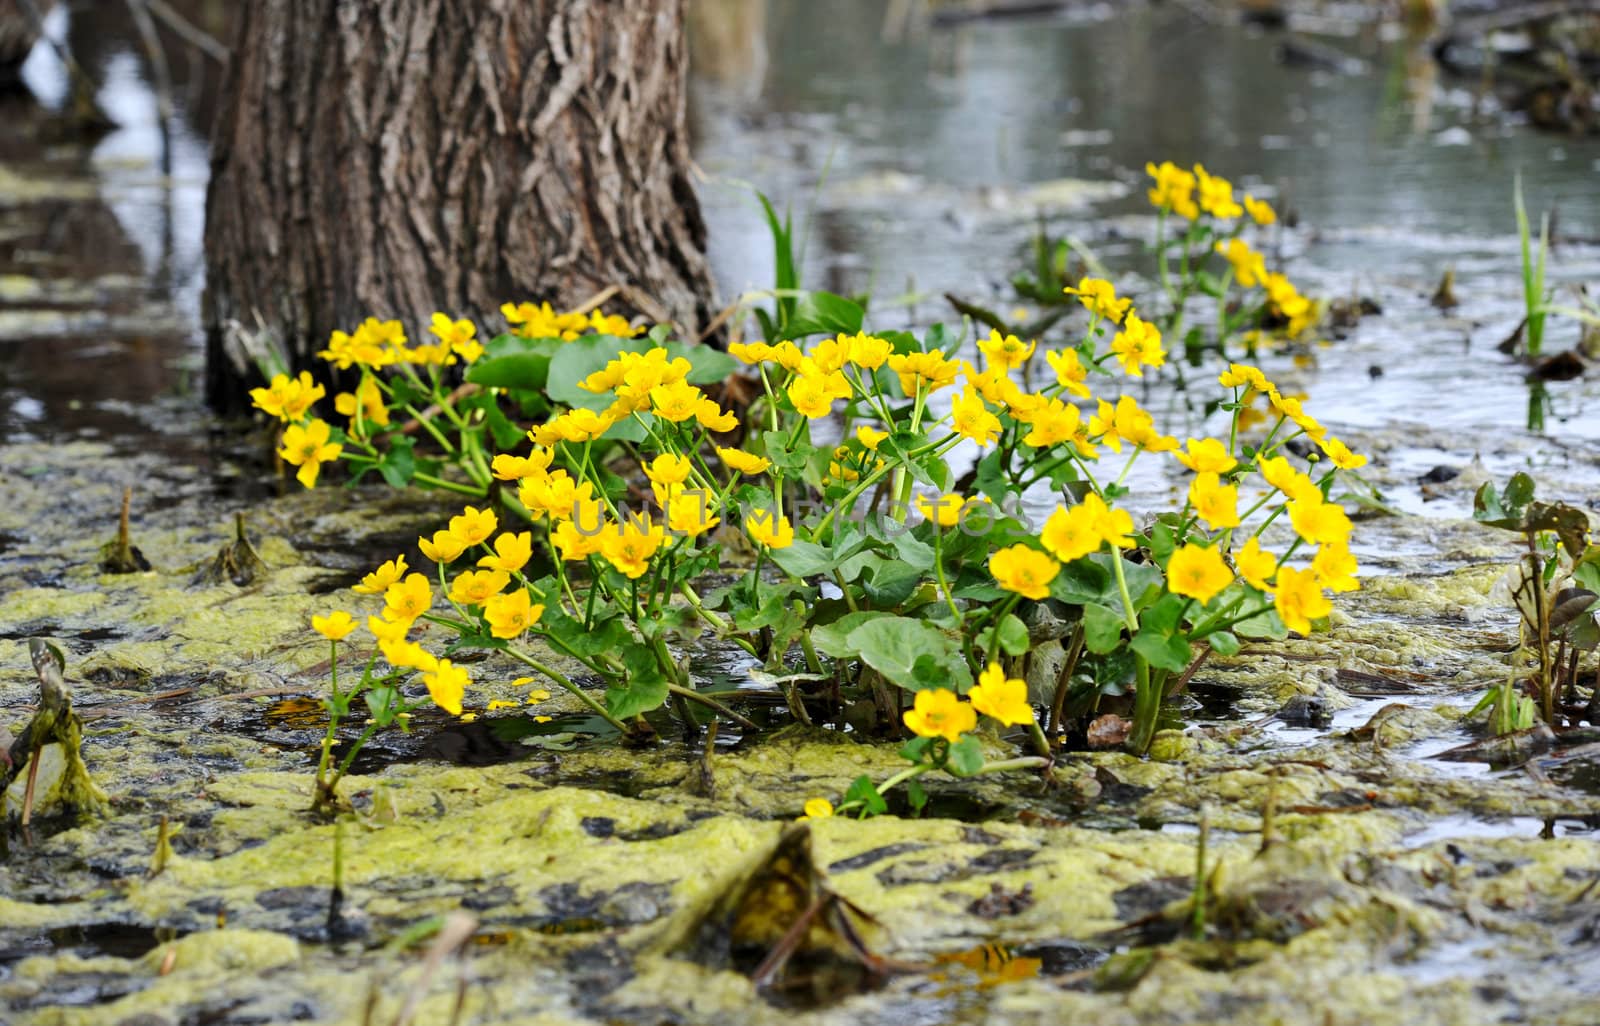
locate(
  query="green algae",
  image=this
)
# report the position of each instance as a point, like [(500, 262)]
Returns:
[(586, 867)]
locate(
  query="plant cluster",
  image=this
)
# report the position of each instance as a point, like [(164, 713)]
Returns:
[(931, 601)]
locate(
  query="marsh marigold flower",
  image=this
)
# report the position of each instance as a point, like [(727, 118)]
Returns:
[(1206, 455), (1260, 210), (475, 587), (308, 448), (1002, 698), (631, 544), (1335, 567), (1174, 189), (1322, 523), (1299, 599), (936, 712), (1024, 570), (944, 510), (1215, 503), (1138, 345), (1197, 572), (444, 547), (1255, 564), (406, 600), (377, 582), (1340, 455), (765, 529), (447, 684), (741, 461), (1249, 267), (1053, 423), (1099, 297), (1007, 351), (474, 525), (335, 626), (511, 552), (870, 436), (971, 419), (511, 614), (689, 513), (924, 372), (1071, 374)]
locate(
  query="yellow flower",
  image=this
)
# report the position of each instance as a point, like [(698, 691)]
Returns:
[(1197, 572), (1216, 504), (830, 354), (1335, 567), (1340, 455), (1299, 599), (407, 654), (368, 399), (475, 587), (713, 417), (1024, 570), (406, 600), (576, 543), (675, 401), (1216, 195), (668, 468), (1071, 374), (1288, 406), (1291, 482), (939, 713), (741, 461), (511, 614), (288, 398), (507, 467), (1071, 533), (818, 808), (308, 448), (459, 336), (582, 425), (1100, 297), (335, 626), (443, 547), (870, 436), (1053, 423), (474, 525), (1260, 210), (1206, 455), (388, 630), (944, 510), (811, 395), (750, 353), (971, 419), (1249, 267), (1318, 522), (1255, 564), (511, 552), (379, 580), (1007, 351), (923, 372), (1174, 189), (689, 513), (1243, 374), (630, 545), (868, 351), (764, 529), (1111, 524), (1138, 345), (1001, 698), (446, 684)]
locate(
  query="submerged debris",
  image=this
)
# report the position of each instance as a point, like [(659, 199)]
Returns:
[(238, 561), (120, 555), (54, 723)]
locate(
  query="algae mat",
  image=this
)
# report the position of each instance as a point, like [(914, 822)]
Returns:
[(1391, 888)]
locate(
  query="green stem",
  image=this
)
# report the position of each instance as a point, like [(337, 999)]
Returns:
[(561, 679)]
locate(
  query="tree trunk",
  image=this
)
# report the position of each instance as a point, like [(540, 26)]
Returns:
[(398, 157)]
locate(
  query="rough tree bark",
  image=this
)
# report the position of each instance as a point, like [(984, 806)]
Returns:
[(397, 157)]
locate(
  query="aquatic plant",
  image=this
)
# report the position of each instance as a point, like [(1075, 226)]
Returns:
[(1555, 588), (926, 603), (1534, 294)]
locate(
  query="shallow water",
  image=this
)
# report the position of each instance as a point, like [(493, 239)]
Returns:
[(938, 153)]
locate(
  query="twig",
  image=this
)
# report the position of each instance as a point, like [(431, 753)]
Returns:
[(189, 32), (458, 928)]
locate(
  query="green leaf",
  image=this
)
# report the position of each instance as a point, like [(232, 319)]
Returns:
[(1167, 651), (804, 559), (916, 796), (383, 703), (1223, 643), (892, 583), (643, 689), (528, 372), (578, 359), (863, 790), (965, 758), (1013, 635), (916, 748), (399, 464), (1102, 628), (833, 639), (893, 644), (823, 313), (1267, 625), (1165, 615)]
